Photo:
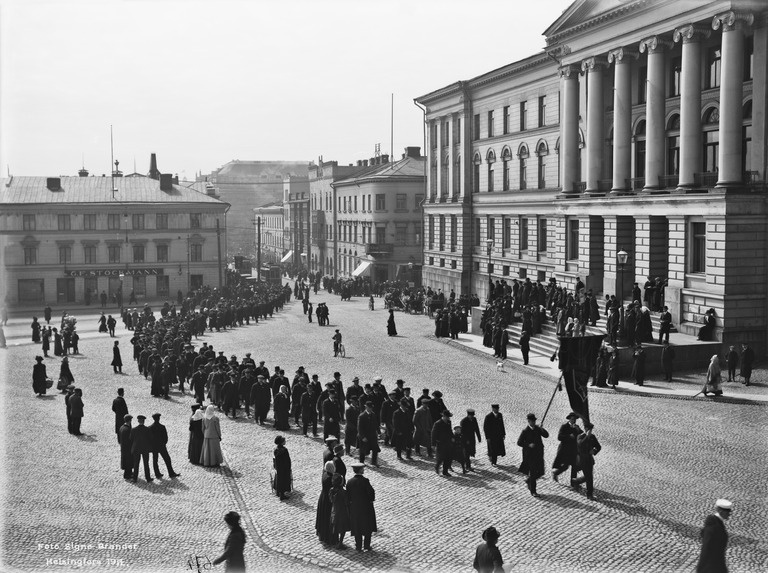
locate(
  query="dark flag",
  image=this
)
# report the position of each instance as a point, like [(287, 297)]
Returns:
[(577, 356)]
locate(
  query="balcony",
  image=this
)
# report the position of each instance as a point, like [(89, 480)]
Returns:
[(379, 249)]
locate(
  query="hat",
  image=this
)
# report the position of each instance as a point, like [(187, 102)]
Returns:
[(437, 394), (446, 413), (457, 428), (337, 330), (338, 449), (588, 425), (470, 411), (156, 416), (425, 390), (39, 358), (279, 440), (232, 517), (378, 379), (358, 466), (140, 417), (330, 440), (491, 533), (71, 387), (572, 415), (724, 504), (400, 382), (127, 417), (393, 393), (531, 416), (260, 361), (315, 377), (355, 379), (494, 406)]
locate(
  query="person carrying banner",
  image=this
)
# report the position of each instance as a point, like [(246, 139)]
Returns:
[(533, 452)]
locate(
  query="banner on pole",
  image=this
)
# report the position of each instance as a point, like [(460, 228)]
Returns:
[(578, 356)]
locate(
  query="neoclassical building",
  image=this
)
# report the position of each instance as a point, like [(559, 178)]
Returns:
[(640, 129)]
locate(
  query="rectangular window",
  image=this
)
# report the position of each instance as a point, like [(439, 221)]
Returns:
[(698, 247), (65, 254), (113, 253), (355, 203), (163, 285), (642, 84), (573, 239), (506, 232), (138, 253), (369, 202), (65, 223), (542, 111), (162, 253), (506, 119), (161, 220), (475, 177), (454, 232), (30, 255), (137, 222), (491, 228), (523, 113), (89, 254), (431, 231), (675, 68), (196, 253), (89, 222), (713, 61), (457, 133), (441, 242), (417, 234), (29, 223), (140, 286), (477, 232), (401, 203), (476, 127), (113, 221), (524, 234), (380, 235), (711, 151), (433, 135), (505, 178), (505, 270), (194, 220), (523, 172), (542, 236), (749, 57), (490, 123), (381, 203), (446, 133), (400, 233)]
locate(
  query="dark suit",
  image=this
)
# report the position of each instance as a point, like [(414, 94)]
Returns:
[(126, 457), (402, 432), (533, 457), (367, 427), (159, 446), (588, 447), (362, 514), (141, 445), (714, 541), (120, 409), (331, 415), (493, 426), (567, 452), (470, 429), (76, 413), (442, 438)]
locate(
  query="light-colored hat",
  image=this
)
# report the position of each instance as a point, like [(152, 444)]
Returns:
[(724, 504)]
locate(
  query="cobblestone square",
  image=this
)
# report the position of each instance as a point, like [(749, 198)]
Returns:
[(664, 462)]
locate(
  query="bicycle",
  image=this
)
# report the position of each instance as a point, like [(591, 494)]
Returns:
[(342, 350)]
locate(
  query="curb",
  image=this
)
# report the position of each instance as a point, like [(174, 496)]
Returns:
[(619, 390)]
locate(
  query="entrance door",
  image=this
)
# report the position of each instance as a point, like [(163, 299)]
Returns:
[(65, 290), (114, 285), (91, 286)]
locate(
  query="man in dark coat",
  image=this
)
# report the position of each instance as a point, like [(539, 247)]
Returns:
[(442, 441), (308, 410), (714, 540), (388, 408), (493, 427), (350, 427), (368, 434), (525, 345), (470, 429), (331, 416), (124, 439), (76, 411), (731, 360), (141, 445), (67, 398), (533, 452), (160, 446), (747, 359), (588, 447), (402, 429), (667, 360), (567, 452), (120, 408), (362, 514)]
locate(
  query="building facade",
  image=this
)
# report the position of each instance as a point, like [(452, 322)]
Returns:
[(269, 222), (640, 130), (63, 237), (296, 221), (379, 219)]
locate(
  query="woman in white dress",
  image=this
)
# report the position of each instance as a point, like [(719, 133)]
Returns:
[(211, 455)]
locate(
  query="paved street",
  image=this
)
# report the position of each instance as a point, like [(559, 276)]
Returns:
[(664, 462)]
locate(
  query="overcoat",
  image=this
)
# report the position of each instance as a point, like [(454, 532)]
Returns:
[(141, 440), (422, 427), (362, 515), (470, 429), (124, 437), (493, 427), (533, 458), (367, 426), (282, 465), (402, 428), (714, 541), (339, 510), (120, 408), (39, 376), (566, 450)]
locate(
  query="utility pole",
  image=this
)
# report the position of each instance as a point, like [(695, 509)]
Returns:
[(258, 250), (218, 248)]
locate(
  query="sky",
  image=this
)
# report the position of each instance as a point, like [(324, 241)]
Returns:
[(201, 83)]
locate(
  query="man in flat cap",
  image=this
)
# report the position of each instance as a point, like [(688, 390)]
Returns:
[(533, 452), (124, 438), (714, 539), (469, 430), (495, 433), (567, 451), (588, 447), (141, 445), (442, 440), (160, 446), (331, 415)]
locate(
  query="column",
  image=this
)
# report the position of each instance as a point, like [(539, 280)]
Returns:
[(595, 115), (690, 102), (451, 153), (731, 95), (655, 110), (569, 130), (622, 117), (439, 156)]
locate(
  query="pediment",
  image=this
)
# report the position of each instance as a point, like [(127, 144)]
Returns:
[(582, 11)]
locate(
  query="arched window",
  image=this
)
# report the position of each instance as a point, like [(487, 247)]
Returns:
[(476, 161), (522, 154), (541, 174), (673, 145), (640, 149), (506, 157), (490, 159), (711, 139)]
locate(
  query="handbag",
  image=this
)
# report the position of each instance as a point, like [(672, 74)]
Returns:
[(61, 385), (48, 383)]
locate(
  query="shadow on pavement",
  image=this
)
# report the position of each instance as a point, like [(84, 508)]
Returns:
[(296, 499), (570, 502), (382, 560), (87, 438)]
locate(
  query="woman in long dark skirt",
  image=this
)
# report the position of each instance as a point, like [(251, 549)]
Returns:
[(323, 519), (340, 522), (117, 361), (58, 349), (282, 466), (39, 377), (65, 374), (391, 328), (195, 447), (35, 330)]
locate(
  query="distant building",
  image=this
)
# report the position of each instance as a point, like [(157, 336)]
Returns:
[(272, 239), (378, 219), (296, 221), (246, 185), (63, 237)]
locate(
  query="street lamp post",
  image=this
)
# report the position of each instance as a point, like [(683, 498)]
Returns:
[(489, 245), (621, 257)]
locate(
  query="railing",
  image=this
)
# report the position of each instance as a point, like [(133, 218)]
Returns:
[(379, 248), (668, 181), (579, 186), (636, 183), (604, 184), (708, 179)]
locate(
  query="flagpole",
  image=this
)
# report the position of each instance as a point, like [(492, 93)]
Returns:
[(557, 388)]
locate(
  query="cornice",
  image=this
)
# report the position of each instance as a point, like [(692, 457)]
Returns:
[(597, 20)]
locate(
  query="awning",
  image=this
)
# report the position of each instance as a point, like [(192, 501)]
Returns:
[(363, 269), (288, 256)]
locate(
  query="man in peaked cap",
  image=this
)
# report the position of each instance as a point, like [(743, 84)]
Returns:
[(714, 539), (442, 440), (141, 445), (160, 447)]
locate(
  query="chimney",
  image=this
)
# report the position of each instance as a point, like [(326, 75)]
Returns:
[(176, 179), (413, 152), (365, 163), (384, 159), (154, 172), (83, 172), (359, 162), (53, 183), (166, 182)]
